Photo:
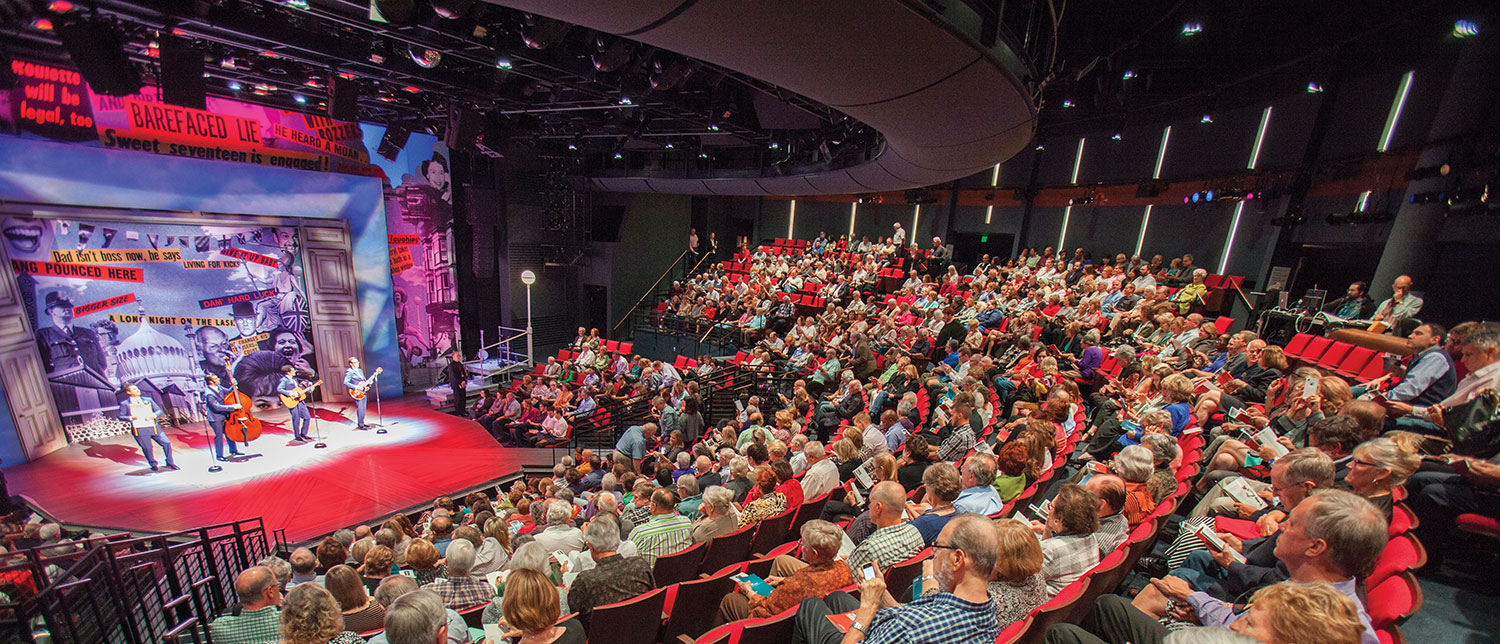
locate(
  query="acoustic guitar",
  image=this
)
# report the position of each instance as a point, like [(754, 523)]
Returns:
[(359, 390), (298, 395)]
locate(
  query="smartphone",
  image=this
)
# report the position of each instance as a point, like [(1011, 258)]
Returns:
[(869, 572), (1309, 387)]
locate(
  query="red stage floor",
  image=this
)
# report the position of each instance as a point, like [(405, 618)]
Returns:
[(308, 492)]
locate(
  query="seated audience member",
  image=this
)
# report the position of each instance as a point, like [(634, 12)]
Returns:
[(942, 485), (529, 556), (304, 568), (1068, 545), (459, 590), (361, 613), (914, 462), (311, 616), (1332, 537), (788, 484), (665, 532), (560, 533), (978, 479), (494, 550), (1286, 613), (613, 578), (376, 565), (1165, 457), (691, 495), (1380, 465), (823, 574), (332, 552), (531, 610), (964, 559), (409, 628), (822, 473), (1114, 527), (422, 559), (719, 515), (893, 540), (259, 619), (1481, 357), (770, 502), (1012, 462), (1134, 466), (1017, 586)]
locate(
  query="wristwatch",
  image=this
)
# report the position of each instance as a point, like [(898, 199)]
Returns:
[(856, 626)]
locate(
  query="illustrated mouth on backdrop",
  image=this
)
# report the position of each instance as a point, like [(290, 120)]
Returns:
[(25, 238)]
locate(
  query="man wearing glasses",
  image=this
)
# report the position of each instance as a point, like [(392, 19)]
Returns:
[(964, 555)]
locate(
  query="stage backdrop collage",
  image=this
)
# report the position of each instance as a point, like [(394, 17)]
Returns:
[(158, 306), (419, 223)]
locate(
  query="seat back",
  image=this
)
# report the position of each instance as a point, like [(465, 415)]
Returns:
[(1099, 584), (898, 577), (678, 566), (772, 532), (1394, 600), (726, 549), (693, 612), (776, 629), (1401, 554), (1222, 324), (1055, 611), (1315, 349), (1298, 344), (1356, 361), (1334, 356), (633, 621), (810, 510), (473, 614)]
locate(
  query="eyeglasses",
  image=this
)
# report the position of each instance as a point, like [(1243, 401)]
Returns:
[(1364, 463), (943, 547)]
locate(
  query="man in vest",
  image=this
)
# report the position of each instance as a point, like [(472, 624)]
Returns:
[(1429, 378), (213, 401), (141, 413)]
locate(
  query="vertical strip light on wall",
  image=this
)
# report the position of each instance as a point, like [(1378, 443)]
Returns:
[(791, 219), (853, 208), (1068, 212), (1395, 114), (1239, 208), (1161, 155), (994, 183), (916, 212), (1391, 120)]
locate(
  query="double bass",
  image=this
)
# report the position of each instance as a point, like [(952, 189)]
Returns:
[(239, 425)]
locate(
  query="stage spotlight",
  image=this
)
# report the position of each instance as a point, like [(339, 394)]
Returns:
[(541, 33), (1206, 118), (667, 75), (393, 141), (299, 98), (703, 155), (774, 145), (1067, 104), (1192, 28), (1116, 136), (1314, 88), (1208, 195), (619, 156), (503, 63), (451, 9), (573, 146), (713, 127), (1039, 147), (1465, 28), (423, 57), (235, 86), (611, 57), (669, 145), (625, 100), (1195, 197), (1129, 74)]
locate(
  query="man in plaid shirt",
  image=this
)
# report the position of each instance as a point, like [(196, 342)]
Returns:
[(894, 540), (960, 613), (260, 618), (666, 532), (459, 590)]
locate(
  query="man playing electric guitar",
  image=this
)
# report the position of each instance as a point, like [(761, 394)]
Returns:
[(359, 386), (294, 396)]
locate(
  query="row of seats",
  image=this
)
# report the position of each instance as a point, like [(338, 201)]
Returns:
[(1359, 363)]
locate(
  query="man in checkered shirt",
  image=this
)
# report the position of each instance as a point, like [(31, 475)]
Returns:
[(459, 590), (893, 540), (260, 618), (961, 612)]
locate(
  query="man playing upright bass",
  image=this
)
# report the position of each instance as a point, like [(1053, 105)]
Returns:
[(213, 398)]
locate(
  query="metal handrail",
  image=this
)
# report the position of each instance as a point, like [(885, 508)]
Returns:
[(649, 291)]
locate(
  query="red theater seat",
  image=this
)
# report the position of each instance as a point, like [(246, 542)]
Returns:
[(1315, 349)]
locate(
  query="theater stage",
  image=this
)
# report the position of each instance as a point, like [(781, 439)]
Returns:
[(307, 491)]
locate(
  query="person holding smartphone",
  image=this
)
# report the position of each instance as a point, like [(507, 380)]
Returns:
[(822, 574)]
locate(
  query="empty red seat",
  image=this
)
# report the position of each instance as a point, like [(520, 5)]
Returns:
[(1298, 344), (1393, 600), (1315, 349), (1222, 324), (1334, 356), (1356, 361), (1375, 368), (1479, 524), (1402, 554)]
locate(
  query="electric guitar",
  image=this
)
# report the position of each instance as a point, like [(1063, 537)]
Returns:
[(358, 391), (298, 395)]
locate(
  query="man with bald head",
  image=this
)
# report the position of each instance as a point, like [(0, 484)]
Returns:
[(894, 540), (304, 568), (1399, 306), (1113, 526), (260, 618)]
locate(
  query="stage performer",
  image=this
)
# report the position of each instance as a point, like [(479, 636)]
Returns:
[(141, 413), (301, 417), (458, 380), (353, 378), (213, 399)]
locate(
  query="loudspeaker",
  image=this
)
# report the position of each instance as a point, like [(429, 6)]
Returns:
[(343, 99), (182, 74), (464, 127), (98, 52), (393, 141)]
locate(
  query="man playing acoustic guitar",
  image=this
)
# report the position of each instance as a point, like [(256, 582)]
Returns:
[(294, 396)]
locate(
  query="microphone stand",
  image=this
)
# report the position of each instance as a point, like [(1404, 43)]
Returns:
[(213, 464), (379, 417), (317, 427)]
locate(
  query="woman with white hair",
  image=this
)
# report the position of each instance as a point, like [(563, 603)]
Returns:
[(560, 533), (1134, 464), (530, 556), (1165, 456), (719, 515), (1191, 294), (1379, 465)]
